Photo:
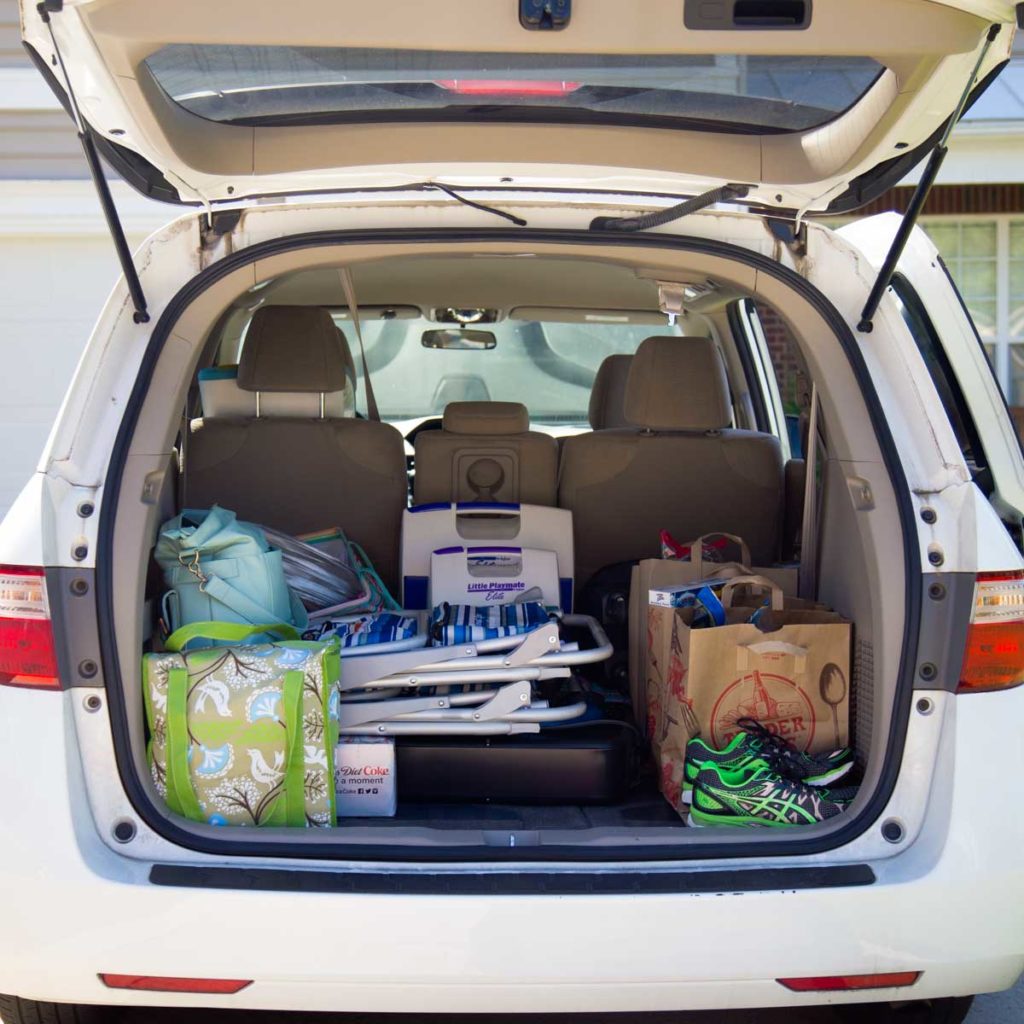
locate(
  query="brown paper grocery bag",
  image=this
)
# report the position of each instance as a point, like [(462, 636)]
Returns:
[(653, 573), (790, 672)]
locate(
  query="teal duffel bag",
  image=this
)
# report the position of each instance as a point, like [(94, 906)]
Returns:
[(219, 569)]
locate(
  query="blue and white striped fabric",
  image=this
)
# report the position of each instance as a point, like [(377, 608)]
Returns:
[(466, 624), (367, 629)]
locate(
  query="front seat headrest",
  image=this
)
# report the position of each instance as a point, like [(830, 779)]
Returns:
[(678, 384), (486, 418), (295, 349), (608, 394)]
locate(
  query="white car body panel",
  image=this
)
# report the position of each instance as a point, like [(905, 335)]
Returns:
[(947, 900), (947, 905)]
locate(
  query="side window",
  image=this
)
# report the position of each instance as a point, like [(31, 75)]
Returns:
[(775, 371), (950, 394), (985, 257)]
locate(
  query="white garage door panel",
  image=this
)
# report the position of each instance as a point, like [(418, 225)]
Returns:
[(52, 292), (52, 287)]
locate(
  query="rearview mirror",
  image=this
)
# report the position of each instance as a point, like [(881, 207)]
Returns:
[(454, 340)]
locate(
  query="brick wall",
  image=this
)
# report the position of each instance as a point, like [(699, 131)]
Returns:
[(785, 358), (952, 200)]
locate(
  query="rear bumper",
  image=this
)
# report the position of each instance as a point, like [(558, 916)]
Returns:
[(949, 906)]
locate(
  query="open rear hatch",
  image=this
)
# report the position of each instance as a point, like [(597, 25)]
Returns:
[(809, 110), (816, 107)]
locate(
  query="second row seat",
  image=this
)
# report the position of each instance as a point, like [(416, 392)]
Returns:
[(680, 467), (283, 452), (485, 451)]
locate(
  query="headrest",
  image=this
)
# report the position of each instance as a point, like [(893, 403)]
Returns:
[(223, 399), (296, 349), (678, 384), (608, 395), (486, 418)]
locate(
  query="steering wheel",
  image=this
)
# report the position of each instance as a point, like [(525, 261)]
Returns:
[(434, 423)]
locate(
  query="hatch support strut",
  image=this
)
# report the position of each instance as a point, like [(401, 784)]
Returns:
[(124, 256), (917, 200)]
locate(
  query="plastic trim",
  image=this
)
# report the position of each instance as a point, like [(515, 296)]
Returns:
[(511, 884), (945, 621), (72, 597)]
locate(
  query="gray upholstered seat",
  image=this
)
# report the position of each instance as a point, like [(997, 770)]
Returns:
[(293, 457), (680, 467), (486, 451)]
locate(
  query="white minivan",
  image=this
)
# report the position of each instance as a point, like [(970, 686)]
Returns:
[(494, 196)]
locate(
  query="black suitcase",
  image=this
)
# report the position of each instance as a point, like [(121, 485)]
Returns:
[(587, 764)]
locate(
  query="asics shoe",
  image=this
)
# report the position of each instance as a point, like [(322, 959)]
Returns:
[(756, 795), (756, 743)]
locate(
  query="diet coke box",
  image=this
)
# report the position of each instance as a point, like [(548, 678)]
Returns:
[(364, 777)]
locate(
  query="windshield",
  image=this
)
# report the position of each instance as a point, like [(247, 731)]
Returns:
[(549, 367), (295, 85)]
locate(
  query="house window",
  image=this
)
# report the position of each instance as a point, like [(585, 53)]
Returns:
[(985, 255)]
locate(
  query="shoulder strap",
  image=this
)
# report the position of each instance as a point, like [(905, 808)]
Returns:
[(181, 797), (231, 597), (353, 308), (294, 770), (231, 632)]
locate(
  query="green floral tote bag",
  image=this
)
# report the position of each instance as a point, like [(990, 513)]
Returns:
[(244, 734)]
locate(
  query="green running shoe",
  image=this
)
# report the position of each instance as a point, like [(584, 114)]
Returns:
[(756, 795), (756, 743)]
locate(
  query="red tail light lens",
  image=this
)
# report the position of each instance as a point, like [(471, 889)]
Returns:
[(27, 653), (850, 982), (506, 87), (151, 983), (994, 656)]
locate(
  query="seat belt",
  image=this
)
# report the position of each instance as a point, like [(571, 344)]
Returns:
[(806, 579), (350, 298)]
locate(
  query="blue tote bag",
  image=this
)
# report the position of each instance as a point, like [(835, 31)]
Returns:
[(218, 569)]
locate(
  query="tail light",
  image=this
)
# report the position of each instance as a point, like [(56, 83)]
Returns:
[(994, 656), (506, 87), (27, 653), (850, 982), (151, 983)]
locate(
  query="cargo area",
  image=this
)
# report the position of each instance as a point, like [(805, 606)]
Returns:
[(563, 533)]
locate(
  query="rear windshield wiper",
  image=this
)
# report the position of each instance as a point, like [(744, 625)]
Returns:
[(722, 194)]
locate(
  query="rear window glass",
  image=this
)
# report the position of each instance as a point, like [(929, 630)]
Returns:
[(253, 85), (549, 367)]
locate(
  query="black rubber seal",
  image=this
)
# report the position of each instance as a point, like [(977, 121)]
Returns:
[(519, 883), (738, 327), (334, 847)]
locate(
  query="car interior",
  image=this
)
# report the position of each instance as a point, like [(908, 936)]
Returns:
[(579, 393)]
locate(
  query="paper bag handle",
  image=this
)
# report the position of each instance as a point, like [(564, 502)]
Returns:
[(756, 583), (697, 550), (777, 647), (795, 651)]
